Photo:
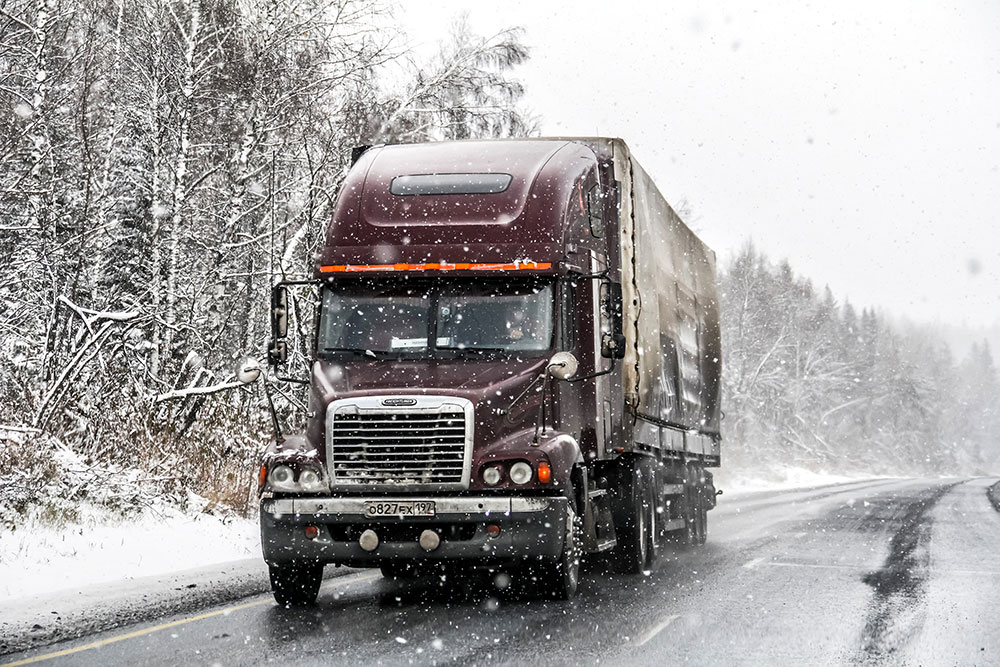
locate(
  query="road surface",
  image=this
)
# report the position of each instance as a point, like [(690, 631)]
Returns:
[(875, 572)]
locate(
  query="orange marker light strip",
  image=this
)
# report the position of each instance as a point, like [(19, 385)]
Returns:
[(438, 266), (262, 477), (544, 472)]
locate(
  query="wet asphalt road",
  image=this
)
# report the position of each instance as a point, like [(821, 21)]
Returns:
[(875, 572)]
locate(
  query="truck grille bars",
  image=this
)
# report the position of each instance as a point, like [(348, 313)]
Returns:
[(400, 442)]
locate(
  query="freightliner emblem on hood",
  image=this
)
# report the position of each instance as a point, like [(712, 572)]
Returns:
[(398, 402)]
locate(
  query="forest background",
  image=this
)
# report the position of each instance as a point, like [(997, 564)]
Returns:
[(162, 161)]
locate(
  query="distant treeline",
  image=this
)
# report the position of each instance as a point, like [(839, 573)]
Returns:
[(812, 382), (160, 161)]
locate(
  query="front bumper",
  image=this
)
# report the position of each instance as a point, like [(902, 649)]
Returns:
[(530, 528)]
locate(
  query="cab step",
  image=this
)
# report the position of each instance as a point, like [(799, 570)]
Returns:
[(673, 524), (605, 545)]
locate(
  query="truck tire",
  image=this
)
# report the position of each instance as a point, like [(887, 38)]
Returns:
[(700, 518), (562, 577), (296, 584), (701, 505), (632, 527), (654, 520), (695, 509)]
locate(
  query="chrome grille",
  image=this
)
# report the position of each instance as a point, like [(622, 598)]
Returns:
[(425, 444)]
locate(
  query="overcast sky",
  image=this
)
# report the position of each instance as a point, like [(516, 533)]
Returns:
[(860, 140)]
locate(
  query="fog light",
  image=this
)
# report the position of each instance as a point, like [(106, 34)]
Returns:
[(520, 473), (430, 540), (312, 532), (492, 475), (493, 530), (369, 540)]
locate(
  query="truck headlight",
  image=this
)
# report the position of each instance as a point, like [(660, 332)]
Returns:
[(311, 480), (282, 478), (491, 475), (520, 473)]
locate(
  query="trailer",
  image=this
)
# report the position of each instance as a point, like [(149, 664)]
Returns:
[(516, 365)]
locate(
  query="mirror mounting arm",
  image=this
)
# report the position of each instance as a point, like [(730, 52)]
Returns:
[(603, 275), (278, 437), (292, 380), (607, 370)]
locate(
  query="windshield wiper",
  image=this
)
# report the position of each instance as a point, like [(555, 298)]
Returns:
[(360, 351), (475, 350)]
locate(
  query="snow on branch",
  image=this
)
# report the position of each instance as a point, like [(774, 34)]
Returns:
[(197, 391), (19, 429), (94, 315)]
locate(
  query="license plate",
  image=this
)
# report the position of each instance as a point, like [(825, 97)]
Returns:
[(400, 508)]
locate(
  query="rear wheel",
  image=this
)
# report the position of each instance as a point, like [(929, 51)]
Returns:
[(296, 584), (701, 517), (654, 509), (695, 508), (632, 521)]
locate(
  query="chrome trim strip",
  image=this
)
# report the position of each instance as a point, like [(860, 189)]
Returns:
[(443, 506)]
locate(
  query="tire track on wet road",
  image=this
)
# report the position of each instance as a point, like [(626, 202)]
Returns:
[(896, 612)]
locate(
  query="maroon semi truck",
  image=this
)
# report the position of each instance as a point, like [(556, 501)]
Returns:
[(516, 363)]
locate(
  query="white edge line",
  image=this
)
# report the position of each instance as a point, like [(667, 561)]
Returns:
[(655, 630)]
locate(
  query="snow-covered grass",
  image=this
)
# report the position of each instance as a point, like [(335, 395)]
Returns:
[(737, 480), (67, 521), (37, 557)]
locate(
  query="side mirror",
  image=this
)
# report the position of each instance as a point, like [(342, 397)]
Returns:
[(279, 312), (278, 352), (248, 371), (613, 346), (563, 365), (612, 343)]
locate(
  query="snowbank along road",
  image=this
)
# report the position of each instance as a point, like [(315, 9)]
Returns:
[(875, 572)]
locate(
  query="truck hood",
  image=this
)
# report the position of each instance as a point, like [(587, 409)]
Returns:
[(491, 386)]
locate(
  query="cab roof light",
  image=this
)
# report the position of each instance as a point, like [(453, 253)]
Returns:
[(526, 265)]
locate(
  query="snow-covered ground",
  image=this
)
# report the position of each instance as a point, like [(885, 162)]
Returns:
[(734, 480), (37, 559)]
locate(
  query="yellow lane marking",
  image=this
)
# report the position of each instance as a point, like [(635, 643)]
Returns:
[(137, 633), (156, 628)]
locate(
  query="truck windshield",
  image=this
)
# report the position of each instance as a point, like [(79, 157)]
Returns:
[(423, 318)]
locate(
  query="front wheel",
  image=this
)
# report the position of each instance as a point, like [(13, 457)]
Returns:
[(296, 584), (561, 578)]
